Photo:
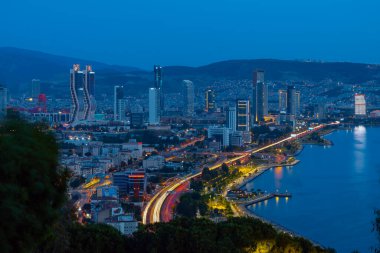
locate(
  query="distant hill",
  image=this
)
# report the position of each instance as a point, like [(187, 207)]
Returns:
[(280, 70), (19, 66)]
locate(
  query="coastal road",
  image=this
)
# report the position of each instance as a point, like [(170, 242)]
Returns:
[(155, 207)]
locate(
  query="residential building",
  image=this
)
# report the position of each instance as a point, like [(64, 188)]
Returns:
[(155, 162), (210, 105), (125, 223), (154, 106), (159, 88), (119, 104), (360, 105), (82, 93), (242, 115), (220, 134), (231, 118), (291, 104), (188, 98), (282, 100)]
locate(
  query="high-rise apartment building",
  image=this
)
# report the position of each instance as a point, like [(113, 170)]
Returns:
[(35, 88), (282, 100), (242, 115), (298, 103), (158, 86), (188, 98), (82, 93), (291, 103), (360, 105), (154, 106), (210, 104), (3, 101), (89, 86), (259, 97), (119, 104), (231, 118)]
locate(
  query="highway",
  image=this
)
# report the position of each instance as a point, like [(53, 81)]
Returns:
[(153, 210)]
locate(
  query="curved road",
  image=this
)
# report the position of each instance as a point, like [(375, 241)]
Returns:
[(155, 209)]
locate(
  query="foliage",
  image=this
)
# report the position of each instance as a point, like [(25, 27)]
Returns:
[(29, 174), (189, 205), (95, 238), (201, 235)]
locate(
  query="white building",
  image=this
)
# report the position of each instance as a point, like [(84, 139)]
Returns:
[(154, 106), (154, 162), (360, 105), (188, 97), (221, 134), (125, 223)]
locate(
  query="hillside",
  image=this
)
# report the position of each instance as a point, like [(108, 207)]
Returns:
[(19, 66)]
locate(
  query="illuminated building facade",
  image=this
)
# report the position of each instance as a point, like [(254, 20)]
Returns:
[(188, 97), (82, 94), (360, 105), (260, 97), (210, 105), (119, 104)]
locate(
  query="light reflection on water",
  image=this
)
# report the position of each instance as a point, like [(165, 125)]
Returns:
[(334, 191), (360, 137)]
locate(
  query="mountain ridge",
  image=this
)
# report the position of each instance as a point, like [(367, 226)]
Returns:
[(19, 66)]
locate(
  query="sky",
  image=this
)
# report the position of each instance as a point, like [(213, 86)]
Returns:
[(141, 33)]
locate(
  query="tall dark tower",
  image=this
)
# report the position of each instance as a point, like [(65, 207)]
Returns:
[(259, 97), (291, 102), (158, 86)]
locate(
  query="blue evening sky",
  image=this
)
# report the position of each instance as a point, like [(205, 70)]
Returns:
[(182, 32)]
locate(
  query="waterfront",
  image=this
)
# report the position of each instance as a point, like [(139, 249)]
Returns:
[(335, 191)]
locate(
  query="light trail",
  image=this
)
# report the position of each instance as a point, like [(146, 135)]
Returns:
[(161, 196)]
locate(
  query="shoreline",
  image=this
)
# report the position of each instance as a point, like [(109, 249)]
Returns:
[(275, 225), (243, 209), (264, 168)]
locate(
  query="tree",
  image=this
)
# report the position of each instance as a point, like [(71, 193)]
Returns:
[(225, 169), (32, 187), (206, 175)]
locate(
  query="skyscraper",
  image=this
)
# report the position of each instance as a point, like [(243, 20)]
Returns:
[(158, 86), (119, 104), (188, 98), (231, 118), (242, 115), (360, 105), (298, 103), (291, 108), (89, 85), (210, 104), (260, 97), (154, 106), (36, 88), (282, 100), (3, 101), (82, 93)]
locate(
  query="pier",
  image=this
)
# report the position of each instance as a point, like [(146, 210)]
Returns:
[(267, 197)]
